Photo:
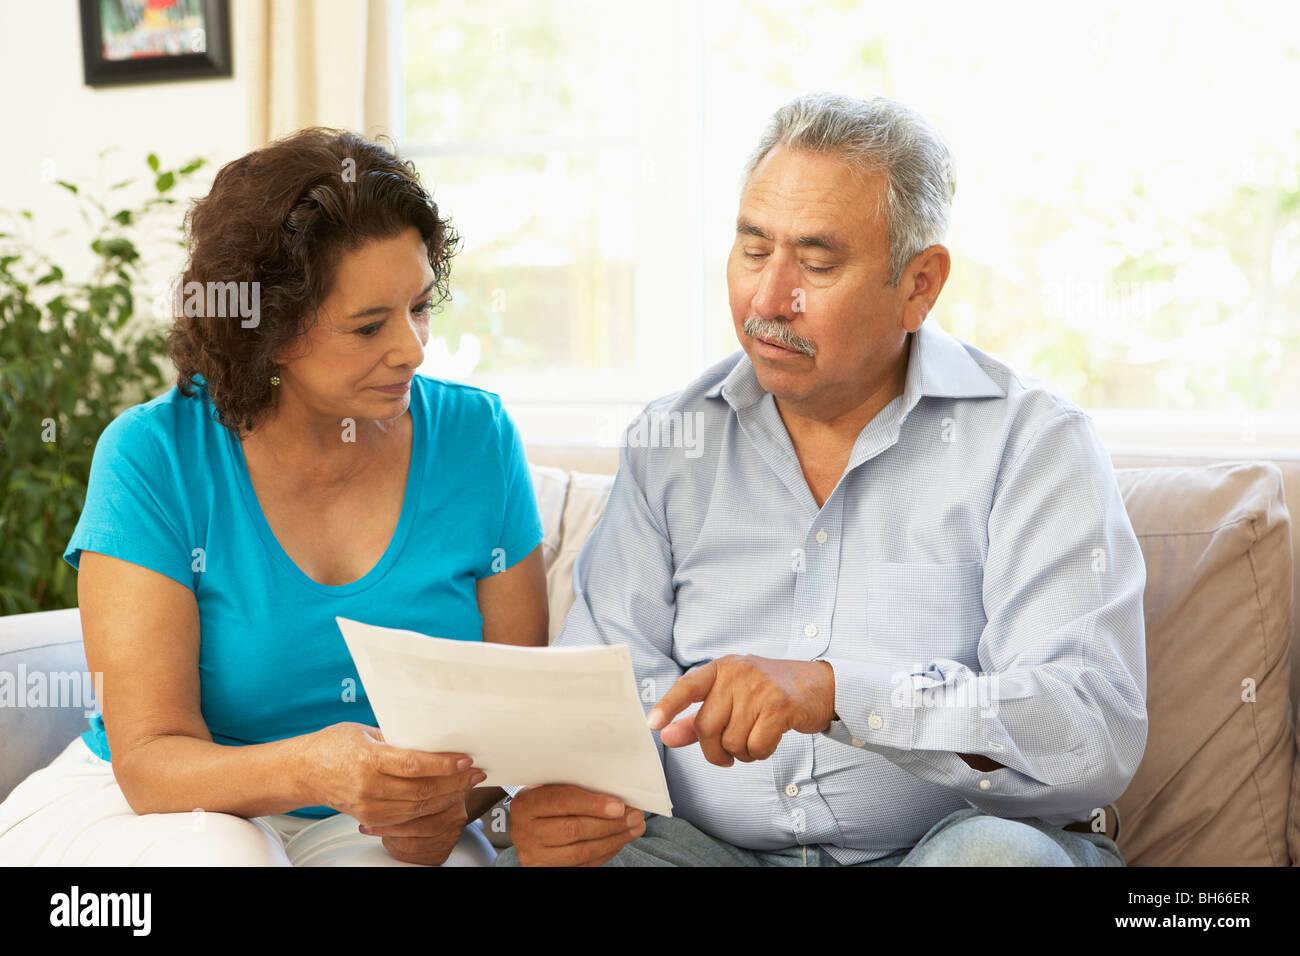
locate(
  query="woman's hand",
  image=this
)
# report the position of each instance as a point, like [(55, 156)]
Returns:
[(351, 769), (429, 839)]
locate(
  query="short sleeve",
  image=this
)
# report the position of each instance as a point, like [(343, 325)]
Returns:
[(134, 509), (521, 522)]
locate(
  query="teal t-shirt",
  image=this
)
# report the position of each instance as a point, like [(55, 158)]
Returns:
[(169, 490)]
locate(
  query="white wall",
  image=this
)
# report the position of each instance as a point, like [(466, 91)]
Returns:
[(54, 125)]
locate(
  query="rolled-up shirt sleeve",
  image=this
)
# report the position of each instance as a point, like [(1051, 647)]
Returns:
[(1060, 700)]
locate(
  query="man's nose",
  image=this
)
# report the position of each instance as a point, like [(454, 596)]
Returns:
[(774, 295)]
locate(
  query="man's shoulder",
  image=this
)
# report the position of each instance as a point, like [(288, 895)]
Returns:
[(1035, 416), (1029, 400), (702, 393), (677, 435)]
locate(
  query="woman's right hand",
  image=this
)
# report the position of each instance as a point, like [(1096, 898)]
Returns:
[(351, 769)]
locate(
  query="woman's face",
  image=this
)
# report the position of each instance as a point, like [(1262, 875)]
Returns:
[(371, 332)]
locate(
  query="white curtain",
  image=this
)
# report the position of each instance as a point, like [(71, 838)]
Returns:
[(318, 63)]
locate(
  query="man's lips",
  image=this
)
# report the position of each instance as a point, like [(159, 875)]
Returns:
[(775, 345)]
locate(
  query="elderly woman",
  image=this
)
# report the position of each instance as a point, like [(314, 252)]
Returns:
[(300, 470)]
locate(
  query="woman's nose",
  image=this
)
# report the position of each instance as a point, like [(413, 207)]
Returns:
[(409, 347)]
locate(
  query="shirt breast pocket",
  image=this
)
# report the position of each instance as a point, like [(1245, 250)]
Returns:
[(917, 612)]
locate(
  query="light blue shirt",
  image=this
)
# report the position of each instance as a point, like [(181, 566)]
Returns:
[(169, 490), (973, 580)]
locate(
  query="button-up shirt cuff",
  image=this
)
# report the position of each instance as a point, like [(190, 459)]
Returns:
[(873, 702)]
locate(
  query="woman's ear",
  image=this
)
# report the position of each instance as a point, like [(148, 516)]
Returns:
[(294, 349)]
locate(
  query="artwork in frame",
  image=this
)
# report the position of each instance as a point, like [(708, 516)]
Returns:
[(151, 41)]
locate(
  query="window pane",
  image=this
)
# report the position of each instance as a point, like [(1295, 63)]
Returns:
[(1127, 218)]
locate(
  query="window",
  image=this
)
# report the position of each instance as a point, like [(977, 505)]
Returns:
[(1126, 224)]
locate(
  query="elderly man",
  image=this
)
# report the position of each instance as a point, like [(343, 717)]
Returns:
[(897, 577)]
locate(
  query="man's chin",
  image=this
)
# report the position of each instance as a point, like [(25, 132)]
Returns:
[(782, 381)]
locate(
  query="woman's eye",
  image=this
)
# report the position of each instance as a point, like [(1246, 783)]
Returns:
[(369, 331), (424, 308)]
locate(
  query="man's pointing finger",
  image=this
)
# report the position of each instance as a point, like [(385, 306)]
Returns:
[(690, 688)]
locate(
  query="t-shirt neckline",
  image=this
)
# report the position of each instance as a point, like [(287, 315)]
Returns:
[(410, 504)]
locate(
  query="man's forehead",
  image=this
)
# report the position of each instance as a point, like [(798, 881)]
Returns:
[(797, 196)]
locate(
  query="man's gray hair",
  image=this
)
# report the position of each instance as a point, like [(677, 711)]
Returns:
[(877, 135)]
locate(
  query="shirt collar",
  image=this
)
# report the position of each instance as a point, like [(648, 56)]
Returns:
[(938, 366)]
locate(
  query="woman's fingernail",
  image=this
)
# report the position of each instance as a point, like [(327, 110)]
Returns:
[(366, 830), (478, 778), (464, 763)]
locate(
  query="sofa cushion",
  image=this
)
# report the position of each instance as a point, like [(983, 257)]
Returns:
[(551, 487), (1214, 783), (582, 510), (41, 650)]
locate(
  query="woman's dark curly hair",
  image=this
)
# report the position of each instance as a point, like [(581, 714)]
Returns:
[(282, 216)]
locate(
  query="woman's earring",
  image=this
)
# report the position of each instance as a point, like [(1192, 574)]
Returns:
[(275, 379)]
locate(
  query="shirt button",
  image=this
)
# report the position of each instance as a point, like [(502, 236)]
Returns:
[(821, 536), (984, 784), (874, 722), (792, 790), (810, 630), (856, 742)]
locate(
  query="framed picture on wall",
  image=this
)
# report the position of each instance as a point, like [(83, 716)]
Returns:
[(151, 41)]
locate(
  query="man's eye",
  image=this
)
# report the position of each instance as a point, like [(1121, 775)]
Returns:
[(755, 255), (818, 268)]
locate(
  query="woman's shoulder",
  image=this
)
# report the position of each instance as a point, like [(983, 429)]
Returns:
[(171, 423), (449, 401)]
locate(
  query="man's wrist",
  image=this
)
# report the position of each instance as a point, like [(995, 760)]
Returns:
[(828, 694)]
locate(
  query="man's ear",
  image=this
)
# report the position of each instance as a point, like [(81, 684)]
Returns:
[(925, 275)]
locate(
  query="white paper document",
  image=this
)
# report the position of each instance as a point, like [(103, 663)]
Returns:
[(526, 715)]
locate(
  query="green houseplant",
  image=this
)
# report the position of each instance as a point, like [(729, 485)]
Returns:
[(74, 352)]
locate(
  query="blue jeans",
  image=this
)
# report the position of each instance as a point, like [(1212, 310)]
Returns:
[(964, 838)]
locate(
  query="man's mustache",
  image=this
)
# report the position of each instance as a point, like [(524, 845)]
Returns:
[(777, 331)]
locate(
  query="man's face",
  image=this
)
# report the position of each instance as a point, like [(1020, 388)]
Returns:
[(810, 263), (371, 332)]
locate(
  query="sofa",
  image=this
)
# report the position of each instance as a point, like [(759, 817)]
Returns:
[(1219, 783)]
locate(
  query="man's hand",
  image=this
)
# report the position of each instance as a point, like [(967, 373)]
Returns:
[(428, 839), (749, 702), (562, 825)]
